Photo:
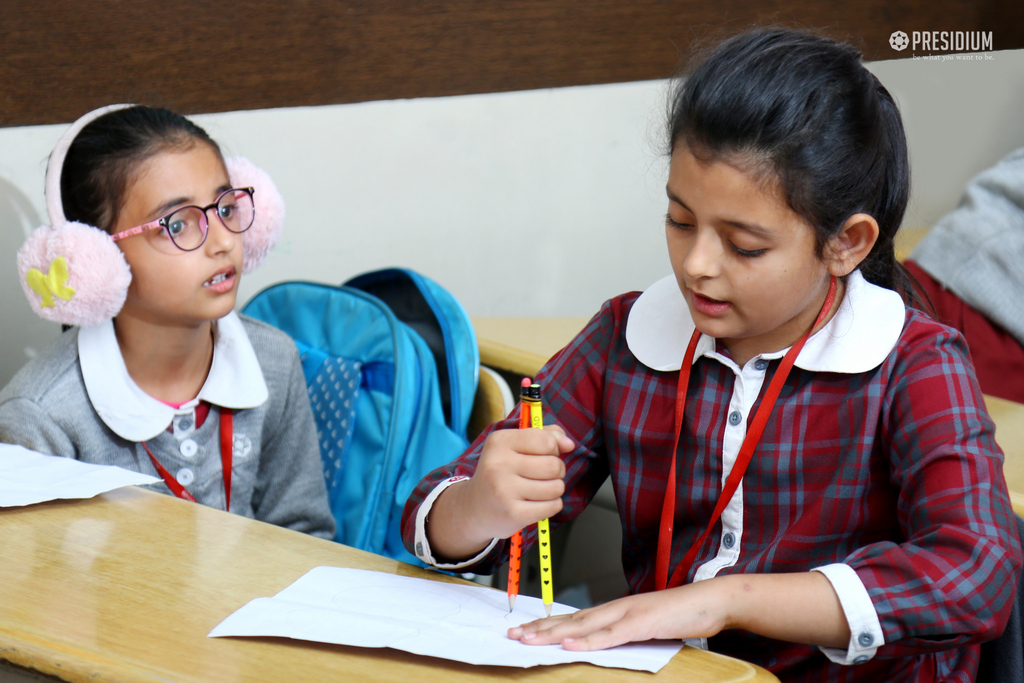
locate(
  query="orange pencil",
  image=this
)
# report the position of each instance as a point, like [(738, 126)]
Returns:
[(516, 553)]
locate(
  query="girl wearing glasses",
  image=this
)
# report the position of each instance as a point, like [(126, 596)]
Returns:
[(151, 231)]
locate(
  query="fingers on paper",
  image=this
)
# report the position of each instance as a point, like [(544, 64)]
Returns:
[(592, 629)]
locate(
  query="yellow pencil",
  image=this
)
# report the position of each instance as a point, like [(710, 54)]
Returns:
[(547, 589)]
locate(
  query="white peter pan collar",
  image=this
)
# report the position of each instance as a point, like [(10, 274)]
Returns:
[(235, 380), (858, 338)]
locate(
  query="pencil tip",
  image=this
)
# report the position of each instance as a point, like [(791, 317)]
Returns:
[(547, 610), (511, 603)]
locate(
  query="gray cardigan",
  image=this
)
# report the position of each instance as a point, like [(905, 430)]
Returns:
[(977, 251), (277, 476)]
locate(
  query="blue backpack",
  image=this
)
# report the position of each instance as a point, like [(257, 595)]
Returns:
[(391, 373)]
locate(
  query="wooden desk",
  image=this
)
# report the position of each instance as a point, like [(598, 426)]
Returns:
[(1009, 419), (522, 345), (126, 586)]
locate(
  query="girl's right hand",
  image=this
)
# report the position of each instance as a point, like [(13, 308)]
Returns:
[(518, 481)]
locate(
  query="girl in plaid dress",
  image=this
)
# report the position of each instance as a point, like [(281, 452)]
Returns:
[(805, 472)]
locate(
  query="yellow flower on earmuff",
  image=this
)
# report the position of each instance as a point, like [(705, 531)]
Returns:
[(52, 284)]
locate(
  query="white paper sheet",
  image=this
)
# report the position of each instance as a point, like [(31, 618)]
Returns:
[(459, 622), (27, 477)]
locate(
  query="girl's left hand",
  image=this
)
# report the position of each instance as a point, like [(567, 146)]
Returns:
[(799, 607), (691, 611)]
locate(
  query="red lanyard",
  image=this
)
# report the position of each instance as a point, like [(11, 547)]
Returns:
[(226, 447), (661, 579)]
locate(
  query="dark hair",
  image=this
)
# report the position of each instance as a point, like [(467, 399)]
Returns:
[(804, 109), (102, 160)]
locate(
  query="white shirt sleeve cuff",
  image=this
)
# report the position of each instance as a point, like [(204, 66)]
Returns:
[(865, 631), (423, 546)]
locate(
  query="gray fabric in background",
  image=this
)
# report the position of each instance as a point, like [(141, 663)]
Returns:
[(977, 250)]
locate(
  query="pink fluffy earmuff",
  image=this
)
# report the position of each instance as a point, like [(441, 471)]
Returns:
[(74, 274)]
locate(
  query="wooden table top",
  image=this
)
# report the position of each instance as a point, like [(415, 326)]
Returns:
[(1009, 419), (125, 587), (523, 345)]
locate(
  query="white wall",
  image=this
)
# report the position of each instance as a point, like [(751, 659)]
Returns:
[(564, 186), (961, 115)]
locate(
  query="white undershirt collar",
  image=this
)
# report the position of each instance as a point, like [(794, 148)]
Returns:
[(235, 380), (858, 338)]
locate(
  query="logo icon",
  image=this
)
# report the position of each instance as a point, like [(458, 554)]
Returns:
[(899, 41)]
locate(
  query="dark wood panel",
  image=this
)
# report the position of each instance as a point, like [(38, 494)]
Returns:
[(59, 58)]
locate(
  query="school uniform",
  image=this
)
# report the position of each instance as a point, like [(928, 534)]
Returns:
[(877, 467), (77, 400)]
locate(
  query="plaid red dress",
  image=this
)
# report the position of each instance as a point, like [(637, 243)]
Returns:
[(890, 473)]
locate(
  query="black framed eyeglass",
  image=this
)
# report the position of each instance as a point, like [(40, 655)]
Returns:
[(188, 226)]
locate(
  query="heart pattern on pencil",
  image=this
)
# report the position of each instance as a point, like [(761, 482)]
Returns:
[(544, 540)]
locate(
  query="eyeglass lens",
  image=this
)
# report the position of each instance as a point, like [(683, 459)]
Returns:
[(187, 227)]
